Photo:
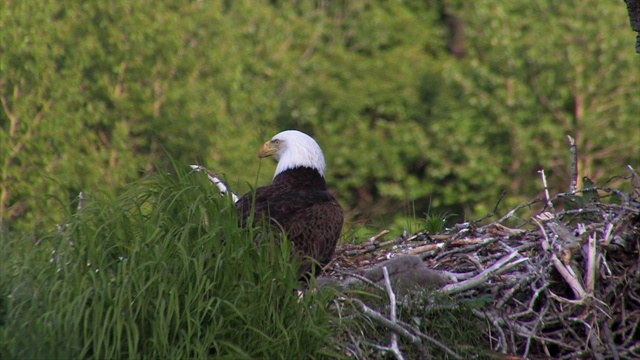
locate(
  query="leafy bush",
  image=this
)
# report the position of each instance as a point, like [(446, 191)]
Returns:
[(92, 93)]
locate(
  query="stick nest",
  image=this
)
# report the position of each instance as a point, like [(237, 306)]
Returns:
[(561, 284)]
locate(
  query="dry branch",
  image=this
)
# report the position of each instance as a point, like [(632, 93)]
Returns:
[(392, 315), (573, 167)]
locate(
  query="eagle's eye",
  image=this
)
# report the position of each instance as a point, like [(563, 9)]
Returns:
[(275, 142)]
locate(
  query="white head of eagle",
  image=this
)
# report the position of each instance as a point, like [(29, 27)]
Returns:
[(297, 202), (293, 149)]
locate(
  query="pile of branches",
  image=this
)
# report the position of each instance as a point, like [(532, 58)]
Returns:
[(562, 284)]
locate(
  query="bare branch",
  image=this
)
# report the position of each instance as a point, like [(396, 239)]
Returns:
[(546, 188), (480, 278), (494, 211), (591, 263), (573, 161), (566, 273), (382, 320), (392, 314)]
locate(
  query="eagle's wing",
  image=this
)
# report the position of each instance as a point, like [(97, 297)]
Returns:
[(312, 219)]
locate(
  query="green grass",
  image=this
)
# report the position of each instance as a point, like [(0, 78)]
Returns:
[(159, 272), (435, 223)]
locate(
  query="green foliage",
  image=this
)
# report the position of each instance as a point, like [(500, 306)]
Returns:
[(159, 272), (94, 93), (536, 72), (435, 223)]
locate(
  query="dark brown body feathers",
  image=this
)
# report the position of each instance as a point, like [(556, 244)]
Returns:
[(297, 201)]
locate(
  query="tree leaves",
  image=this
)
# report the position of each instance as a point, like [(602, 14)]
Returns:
[(102, 91)]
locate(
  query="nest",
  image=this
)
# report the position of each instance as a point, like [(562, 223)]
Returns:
[(562, 284)]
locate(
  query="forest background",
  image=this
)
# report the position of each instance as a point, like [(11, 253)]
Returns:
[(420, 106)]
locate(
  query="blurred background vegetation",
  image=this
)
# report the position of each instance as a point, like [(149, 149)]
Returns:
[(419, 106)]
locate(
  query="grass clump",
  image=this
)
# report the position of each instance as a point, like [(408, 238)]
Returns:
[(160, 272)]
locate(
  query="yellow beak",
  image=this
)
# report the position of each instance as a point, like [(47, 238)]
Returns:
[(267, 149)]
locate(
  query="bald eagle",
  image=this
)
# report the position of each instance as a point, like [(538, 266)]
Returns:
[(297, 202)]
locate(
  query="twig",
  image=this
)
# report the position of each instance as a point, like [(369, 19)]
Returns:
[(430, 339), (532, 302), (375, 237), (546, 188), (533, 330), (518, 208), (502, 338), (494, 211), (607, 234), (635, 176), (478, 279), (594, 343), (561, 299), (458, 243), (465, 245), (373, 245), (573, 161), (456, 277), (424, 248), (561, 231), (591, 262), (392, 314), (361, 278), (506, 297), (566, 274), (381, 320), (634, 194), (519, 329), (610, 342)]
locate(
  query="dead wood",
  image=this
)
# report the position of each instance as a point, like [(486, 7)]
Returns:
[(564, 283)]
